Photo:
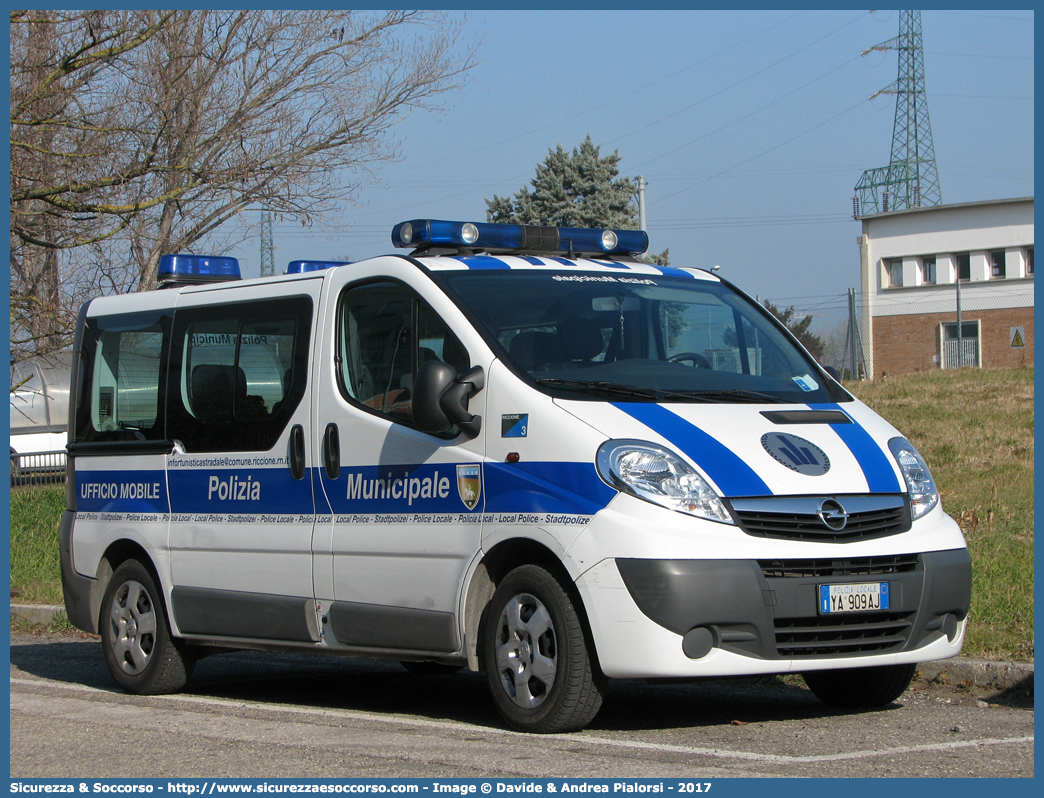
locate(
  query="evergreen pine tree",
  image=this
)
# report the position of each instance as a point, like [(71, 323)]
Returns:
[(577, 189)]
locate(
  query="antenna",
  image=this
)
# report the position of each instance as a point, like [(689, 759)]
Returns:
[(911, 179), (267, 255)]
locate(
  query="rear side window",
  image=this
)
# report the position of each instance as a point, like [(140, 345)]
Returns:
[(123, 378), (238, 373)]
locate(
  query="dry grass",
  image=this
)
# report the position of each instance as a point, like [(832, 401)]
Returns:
[(975, 429)]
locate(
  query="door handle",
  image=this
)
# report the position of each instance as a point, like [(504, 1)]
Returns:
[(297, 452), (332, 451)]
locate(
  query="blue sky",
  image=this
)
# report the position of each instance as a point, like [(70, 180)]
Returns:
[(751, 128)]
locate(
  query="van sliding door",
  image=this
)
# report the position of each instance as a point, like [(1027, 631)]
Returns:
[(240, 475)]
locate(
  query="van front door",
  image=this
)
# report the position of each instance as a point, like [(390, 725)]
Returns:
[(406, 506), (240, 480)]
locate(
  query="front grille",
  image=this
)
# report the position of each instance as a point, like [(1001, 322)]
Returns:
[(853, 566), (798, 518), (826, 636)]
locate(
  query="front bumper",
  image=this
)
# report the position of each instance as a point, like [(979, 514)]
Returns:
[(725, 617)]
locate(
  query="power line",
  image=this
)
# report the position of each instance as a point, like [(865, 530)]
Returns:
[(613, 101), (737, 83), (760, 154)]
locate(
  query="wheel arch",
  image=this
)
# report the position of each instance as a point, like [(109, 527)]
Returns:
[(497, 563), (118, 552)]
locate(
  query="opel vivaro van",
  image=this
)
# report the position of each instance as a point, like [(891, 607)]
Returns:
[(516, 450)]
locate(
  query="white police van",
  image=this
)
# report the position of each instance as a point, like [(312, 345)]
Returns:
[(516, 450)]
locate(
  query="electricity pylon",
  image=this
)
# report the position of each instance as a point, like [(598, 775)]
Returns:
[(267, 260), (911, 179)]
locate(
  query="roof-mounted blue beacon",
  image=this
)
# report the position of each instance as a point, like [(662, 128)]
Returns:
[(304, 266), (428, 234), (177, 270)]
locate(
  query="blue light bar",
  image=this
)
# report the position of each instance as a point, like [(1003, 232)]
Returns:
[(302, 266), (194, 269), (424, 233)]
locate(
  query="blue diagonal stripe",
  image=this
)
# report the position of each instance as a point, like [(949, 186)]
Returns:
[(670, 271), (481, 262), (877, 467), (733, 476)]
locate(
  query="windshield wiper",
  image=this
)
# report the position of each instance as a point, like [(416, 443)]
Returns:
[(734, 394), (654, 394), (601, 385)]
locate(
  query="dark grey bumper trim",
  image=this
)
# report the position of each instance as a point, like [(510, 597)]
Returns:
[(776, 617), (81, 593)]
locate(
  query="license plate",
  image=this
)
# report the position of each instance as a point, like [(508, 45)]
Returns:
[(862, 597)]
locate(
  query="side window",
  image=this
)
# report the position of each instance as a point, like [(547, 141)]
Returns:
[(121, 399), (385, 333), (240, 373)]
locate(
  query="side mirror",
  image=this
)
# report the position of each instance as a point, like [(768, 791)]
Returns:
[(832, 372), (440, 398)]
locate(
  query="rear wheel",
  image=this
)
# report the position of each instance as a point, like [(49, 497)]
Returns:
[(860, 687), (537, 659), (139, 651)]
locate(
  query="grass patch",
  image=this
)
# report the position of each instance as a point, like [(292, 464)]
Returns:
[(35, 570), (975, 429)]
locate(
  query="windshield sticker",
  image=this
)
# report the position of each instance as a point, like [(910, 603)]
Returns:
[(806, 383), (602, 278), (514, 425)]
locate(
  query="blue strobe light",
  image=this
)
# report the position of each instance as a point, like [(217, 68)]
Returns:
[(427, 233), (303, 266), (194, 269)]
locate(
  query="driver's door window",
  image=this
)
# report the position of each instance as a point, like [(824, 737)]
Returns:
[(386, 332)]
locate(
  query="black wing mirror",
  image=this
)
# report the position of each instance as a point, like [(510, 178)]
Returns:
[(440, 398)]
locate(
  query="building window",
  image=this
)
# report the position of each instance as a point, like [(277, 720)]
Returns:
[(963, 261), (997, 270), (959, 352), (928, 270), (1029, 262), (895, 273)]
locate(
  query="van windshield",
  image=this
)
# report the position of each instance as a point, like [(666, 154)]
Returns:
[(638, 337)]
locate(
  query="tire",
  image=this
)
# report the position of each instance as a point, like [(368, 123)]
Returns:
[(860, 688), (429, 668), (139, 651), (538, 662)]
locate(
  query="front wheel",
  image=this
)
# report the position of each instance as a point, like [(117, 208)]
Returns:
[(139, 651), (863, 688), (537, 659)]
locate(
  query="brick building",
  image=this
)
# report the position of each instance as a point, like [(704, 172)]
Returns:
[(918, 265)]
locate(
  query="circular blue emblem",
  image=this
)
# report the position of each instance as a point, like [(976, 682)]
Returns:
[(796, 453)]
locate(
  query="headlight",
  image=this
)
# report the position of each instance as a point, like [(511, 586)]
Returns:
[(919, 483), (659, 476)]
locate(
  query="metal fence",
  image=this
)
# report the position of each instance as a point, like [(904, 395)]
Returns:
[(835, 333), (41, 468), (921, 331)]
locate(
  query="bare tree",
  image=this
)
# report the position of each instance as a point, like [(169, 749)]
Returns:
[(163, 126), (59, 146)]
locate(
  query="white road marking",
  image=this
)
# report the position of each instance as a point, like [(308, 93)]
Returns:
[(583, 738)]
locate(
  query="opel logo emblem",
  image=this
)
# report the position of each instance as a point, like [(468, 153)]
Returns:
[(833, 515)]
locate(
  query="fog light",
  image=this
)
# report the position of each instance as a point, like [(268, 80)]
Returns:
[(698, 642)]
